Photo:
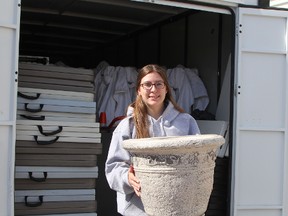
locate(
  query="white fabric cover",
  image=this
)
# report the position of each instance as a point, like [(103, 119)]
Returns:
[(188, 89), (114, 90)]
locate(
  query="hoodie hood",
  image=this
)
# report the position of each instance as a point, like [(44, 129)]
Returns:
[(130, 111)]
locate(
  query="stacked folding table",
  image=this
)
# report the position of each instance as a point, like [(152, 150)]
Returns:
[(57, 142)]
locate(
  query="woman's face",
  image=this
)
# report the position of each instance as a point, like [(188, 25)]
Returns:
[(153, 90)]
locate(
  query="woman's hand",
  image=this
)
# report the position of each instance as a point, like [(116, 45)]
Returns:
[(133, 181)]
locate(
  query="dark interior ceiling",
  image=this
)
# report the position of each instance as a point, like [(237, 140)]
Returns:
[(67, 27)]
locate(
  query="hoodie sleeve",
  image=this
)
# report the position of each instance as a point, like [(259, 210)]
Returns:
[(194, 129), (118, 160)]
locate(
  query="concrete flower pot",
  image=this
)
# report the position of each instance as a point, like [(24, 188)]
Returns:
[(176, 173)]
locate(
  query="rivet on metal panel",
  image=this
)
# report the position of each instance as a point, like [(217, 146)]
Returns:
[(240, 25)]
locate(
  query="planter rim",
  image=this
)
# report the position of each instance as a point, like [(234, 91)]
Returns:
[(187, 142)]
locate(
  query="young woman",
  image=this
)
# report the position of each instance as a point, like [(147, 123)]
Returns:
[(153, 114)]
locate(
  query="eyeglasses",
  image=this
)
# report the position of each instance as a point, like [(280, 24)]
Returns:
[(148, 85)]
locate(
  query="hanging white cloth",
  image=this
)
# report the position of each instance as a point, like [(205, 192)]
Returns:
[(100, 84), (181, 88), (131, 80), (103, 86), (121, 96), (187, 88), (201, 99), (117, 92), (100, 67)]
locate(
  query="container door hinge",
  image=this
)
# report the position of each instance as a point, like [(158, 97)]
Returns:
[(237, 90), (238, 29)]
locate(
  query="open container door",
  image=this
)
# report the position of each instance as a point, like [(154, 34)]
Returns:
[(260, 150), (9, 42)]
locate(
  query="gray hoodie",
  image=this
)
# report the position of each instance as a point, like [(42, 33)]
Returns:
[(170, 123)]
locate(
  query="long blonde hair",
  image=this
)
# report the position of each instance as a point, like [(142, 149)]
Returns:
[(140, 109)]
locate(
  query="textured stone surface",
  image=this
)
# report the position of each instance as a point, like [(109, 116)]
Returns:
[(176, 173)]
